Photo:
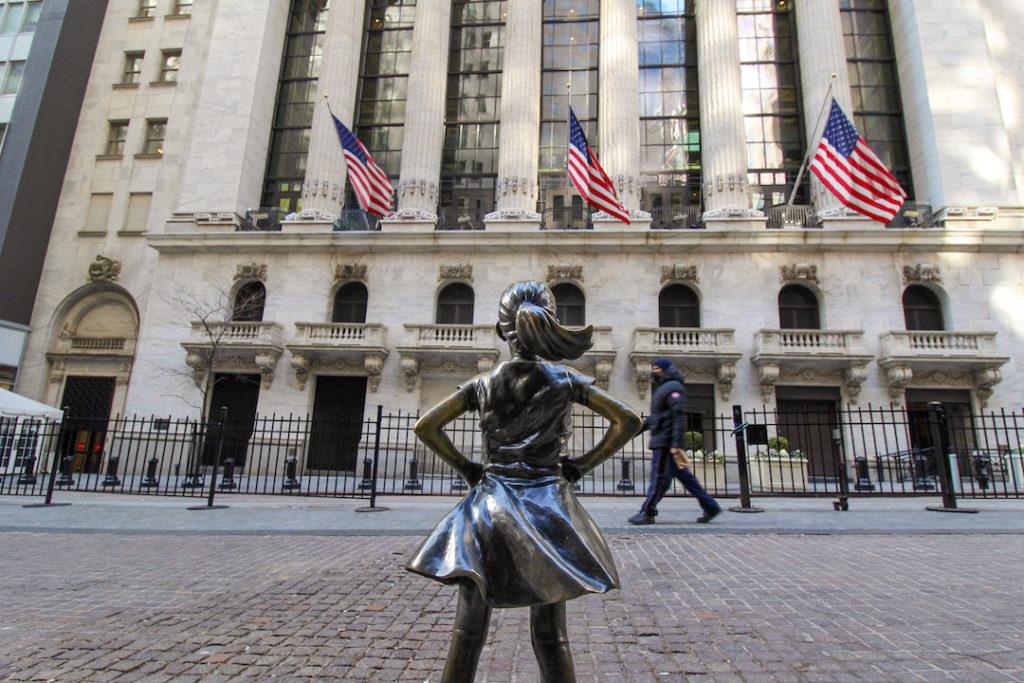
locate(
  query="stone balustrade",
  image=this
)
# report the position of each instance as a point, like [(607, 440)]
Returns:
[(705, 354)]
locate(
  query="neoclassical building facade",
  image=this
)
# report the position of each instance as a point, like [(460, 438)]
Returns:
[(207, 252)]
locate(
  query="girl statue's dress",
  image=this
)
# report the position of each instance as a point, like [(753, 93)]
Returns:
[(520, 538), (520, 535)]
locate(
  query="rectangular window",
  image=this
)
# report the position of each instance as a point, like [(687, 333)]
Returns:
[(182, 8), (138, 212), (154, 143), (147, 9), (32, 12), (115, 138), (169, 66), (12, 81), (99, 213), (132, 67), (12, 18)]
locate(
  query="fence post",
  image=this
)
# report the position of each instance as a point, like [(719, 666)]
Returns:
[(741, 462), (373, 507), (626, 483), (843, 502), (48, 501), (221, 424), (937, 427)]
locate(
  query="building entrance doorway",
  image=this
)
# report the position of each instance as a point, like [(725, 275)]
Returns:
[(959, 435), (88, 401), (240, 395), (809, 419), (337, 423)]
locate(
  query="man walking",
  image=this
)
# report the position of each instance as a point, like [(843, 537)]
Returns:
[(667, 424)]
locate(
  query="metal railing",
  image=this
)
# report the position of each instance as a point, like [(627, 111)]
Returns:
[(913, 215), (796, 216), (356, 220), (870, 451), (264, 219), (567, 218), (452, 218), (677, 218)]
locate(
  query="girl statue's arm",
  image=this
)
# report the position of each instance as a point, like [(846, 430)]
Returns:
[(625, 425), (430, 430)]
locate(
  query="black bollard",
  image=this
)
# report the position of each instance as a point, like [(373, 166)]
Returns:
[(67, 465), (150, 480), (983, 470), (227, 482), (28, 473), (863, 476), (367, 483), (291, 464), (413, 482), (626, 483), (111, 479), (921, 482), (459, 484)]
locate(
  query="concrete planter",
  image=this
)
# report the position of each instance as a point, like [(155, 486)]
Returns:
[(778, 473)]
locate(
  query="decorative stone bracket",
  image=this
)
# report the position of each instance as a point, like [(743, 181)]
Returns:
[(723, 377), (264, 362), (768, 375), (372, 365), (413, 369), (853, 377), (898, 377)]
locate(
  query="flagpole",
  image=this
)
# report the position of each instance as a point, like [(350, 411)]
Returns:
[(816, 134)]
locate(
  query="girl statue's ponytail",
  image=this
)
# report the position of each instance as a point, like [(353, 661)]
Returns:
[(527, 320)]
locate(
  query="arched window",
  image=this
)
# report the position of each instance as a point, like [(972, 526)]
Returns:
[(570, 305), (350, 304), (922, 309), (798, 309), (678, 306), (249, 302), (455, 305)]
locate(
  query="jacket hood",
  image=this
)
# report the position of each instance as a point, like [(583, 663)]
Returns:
[(671, 373)]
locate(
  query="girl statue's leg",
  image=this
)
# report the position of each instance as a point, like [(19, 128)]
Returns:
[(551, 643), (472, 618)]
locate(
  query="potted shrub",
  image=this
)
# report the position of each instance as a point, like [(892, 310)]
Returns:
[(778, 469), (708, 466)]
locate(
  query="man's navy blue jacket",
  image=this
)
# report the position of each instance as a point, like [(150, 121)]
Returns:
[(667, 421)]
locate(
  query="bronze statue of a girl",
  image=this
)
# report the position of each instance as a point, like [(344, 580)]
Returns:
[(520, 538)]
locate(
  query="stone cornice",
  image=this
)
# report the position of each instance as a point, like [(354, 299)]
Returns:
[(588, 241)]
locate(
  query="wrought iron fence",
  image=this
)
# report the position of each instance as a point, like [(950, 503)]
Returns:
[(880, 451), (784, 216), (454, 218), (264, 219), (356, 220), (677, 218), (567, 218)]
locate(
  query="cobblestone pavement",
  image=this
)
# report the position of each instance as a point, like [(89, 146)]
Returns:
[(105, 607)]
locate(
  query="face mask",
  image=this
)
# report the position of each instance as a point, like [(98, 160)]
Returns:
[(655, 377)]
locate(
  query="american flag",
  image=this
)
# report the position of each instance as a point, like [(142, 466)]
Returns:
[(373, 189), (850, 170), (586, 174)]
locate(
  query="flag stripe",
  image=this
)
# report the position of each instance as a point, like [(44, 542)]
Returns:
[(587, 176), (369, 181), (850, 170)]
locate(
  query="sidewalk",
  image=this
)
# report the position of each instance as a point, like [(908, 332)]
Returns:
[(416, 515)]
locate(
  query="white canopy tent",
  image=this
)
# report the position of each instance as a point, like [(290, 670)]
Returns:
[(24, 426), (15, 405)]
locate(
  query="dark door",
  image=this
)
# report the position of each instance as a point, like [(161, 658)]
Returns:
[(239, 394), (959, 434), (337, 423), (88, 401), (809, 425), (700, 412)]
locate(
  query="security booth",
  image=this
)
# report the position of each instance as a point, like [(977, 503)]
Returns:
[(26, 429)]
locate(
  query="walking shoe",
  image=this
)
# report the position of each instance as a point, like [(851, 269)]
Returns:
[(708, 516), (641, 518)]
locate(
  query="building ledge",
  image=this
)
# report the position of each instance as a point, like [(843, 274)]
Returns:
[(705, 354), (234, 347), (447, 349), (947, 359), (811, 357), (339, 347)]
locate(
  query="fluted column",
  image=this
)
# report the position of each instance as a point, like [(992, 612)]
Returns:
[(619, 111), (723, 139), (822, 53), (519, 140), (323, 192), (424, 112)]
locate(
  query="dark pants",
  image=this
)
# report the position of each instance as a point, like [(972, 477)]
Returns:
[(663, 469)]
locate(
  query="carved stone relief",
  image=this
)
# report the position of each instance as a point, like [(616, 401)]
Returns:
[(922, 272), (799, 272), (344, 272), (104, 269), (455, 272), (565, 271), (679, 273), (251, 271)]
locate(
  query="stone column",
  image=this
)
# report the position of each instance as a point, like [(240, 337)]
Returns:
[(822, 53), (723, 139), (619, 111), (424, 113), (323, 192), (234, 108), (519, 137)]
